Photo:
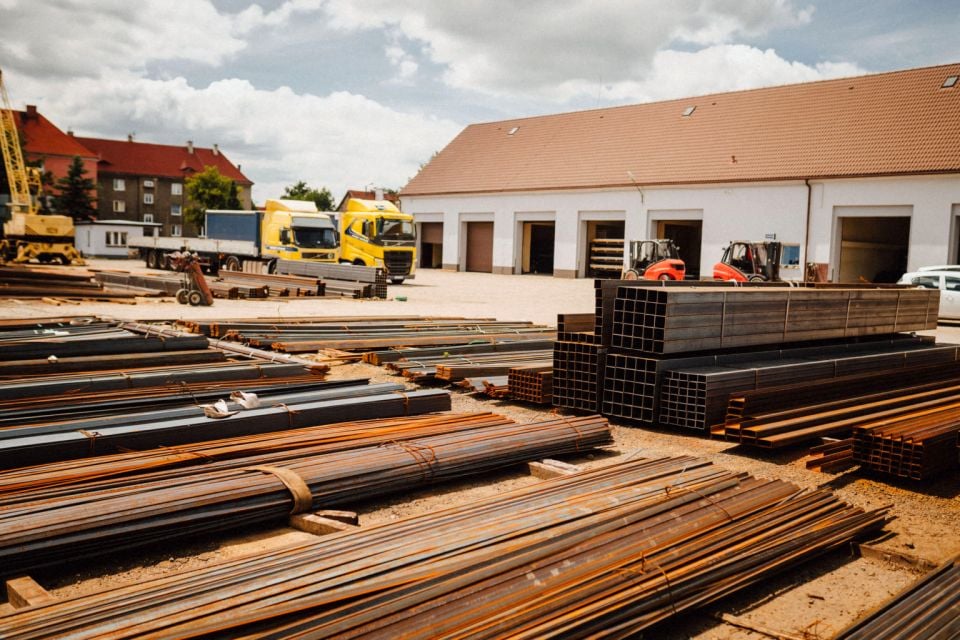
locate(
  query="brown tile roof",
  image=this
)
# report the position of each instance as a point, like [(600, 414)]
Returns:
[(885, 124), (365, 195), (43, 138), (125, 157)]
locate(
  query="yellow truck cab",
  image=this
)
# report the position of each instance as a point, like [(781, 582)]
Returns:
[(296, 230), (376, 233)]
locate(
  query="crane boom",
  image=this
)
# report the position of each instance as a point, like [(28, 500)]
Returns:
[(17, 174)]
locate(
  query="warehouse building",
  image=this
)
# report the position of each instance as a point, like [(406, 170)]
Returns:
[(858, 176)]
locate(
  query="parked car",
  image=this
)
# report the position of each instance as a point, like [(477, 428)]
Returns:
[(947, 281)]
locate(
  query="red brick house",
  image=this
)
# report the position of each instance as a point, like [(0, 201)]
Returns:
[(144, 182)]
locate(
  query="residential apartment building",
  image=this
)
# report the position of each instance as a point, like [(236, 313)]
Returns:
[(145, 182)]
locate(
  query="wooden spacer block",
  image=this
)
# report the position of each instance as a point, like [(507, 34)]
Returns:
[(547, 469), (347, 517), (25, 592), (318, 525)]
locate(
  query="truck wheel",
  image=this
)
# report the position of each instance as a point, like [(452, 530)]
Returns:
[(195, 298), (396, 280), (183, 295), (359, 262), (231, 263), (271, 266), (151, 260)]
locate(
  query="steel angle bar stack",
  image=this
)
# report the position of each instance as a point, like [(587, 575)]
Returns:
[(340, 276), (531, 383), (917, 443), (172, 505), (929, 609), (454, 369), (611, 551)]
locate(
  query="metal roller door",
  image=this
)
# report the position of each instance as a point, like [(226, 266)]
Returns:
[(480, 247)]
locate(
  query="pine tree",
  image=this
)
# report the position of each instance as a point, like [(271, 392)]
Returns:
[(233, 199), (74, 194)]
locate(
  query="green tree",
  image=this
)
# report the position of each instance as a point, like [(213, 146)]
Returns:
[(233, 198), (301, 191), (74, 194), (208, 189)]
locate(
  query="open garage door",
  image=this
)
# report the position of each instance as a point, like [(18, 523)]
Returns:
[(604, 248), (687, 235), (873, 249), (431, 245), (538, 247), (480, 247)]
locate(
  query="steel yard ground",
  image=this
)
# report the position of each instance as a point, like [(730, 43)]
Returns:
[(816, 600)]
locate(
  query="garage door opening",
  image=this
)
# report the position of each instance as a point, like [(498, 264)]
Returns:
[(479, 247), (538, 247), (873, 249), (604, 249), (431, 245), (687, 235)]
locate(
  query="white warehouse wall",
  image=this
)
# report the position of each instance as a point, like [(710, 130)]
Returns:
[(729, 212)]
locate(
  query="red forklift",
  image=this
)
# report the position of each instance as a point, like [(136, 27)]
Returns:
[(655, 260), (745, 261)]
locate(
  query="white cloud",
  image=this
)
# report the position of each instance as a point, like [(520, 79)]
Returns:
[(404, 63), (536, 48), (340, 141)]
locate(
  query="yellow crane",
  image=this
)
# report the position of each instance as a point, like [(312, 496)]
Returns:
[(28, 234)]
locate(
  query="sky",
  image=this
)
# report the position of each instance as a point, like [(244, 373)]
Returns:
[(361, 93)]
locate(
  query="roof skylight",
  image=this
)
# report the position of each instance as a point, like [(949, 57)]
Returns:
[(689, 111), (949, 82)]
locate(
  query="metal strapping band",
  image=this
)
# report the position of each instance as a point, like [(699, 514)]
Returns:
[(417, 451), (579, 433), (290, 413), (406, 402), (92, 435), (302, 498)]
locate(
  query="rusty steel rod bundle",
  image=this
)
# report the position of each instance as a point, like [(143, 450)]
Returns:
[(603, 554), (928, 609), (388, 357), (49, 531), (58, 479)]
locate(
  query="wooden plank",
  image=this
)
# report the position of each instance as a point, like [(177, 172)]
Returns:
[(319, 525), (25, 592), (547, 469)]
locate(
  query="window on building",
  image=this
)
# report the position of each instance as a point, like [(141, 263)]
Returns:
[(176, 209), (148, 184), (176, 230), (119, 206), (148, 198), (176, 189), (790, 258), (119, 184), (116, 238), (148, 217)]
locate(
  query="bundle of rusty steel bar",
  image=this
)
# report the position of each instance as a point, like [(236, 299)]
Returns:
[(46, 282), (38, 441), (220, 328), (604, 553), (99, 339), (119, 470), (507, 345), (838, 418), (493, 386), (831, 456), (371, 333), (364, 282), (928, 609), (454, 368), (531, 383), (266, 489), (169, 284), (278, 286)]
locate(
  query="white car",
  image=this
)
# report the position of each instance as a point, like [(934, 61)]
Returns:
[(948, 281)]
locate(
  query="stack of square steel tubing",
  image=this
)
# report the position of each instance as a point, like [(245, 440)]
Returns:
[(671, 354), (531, 383)]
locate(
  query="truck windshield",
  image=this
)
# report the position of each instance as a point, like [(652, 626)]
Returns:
[(315, 237), (395, 230)]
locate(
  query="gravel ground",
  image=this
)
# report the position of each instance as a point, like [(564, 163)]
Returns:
[(813, 601)]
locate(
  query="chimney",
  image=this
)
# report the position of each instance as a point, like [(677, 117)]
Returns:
[(189, 146), (31, 112), (70, 132), (216, 149), (378, 194), (130, 137)]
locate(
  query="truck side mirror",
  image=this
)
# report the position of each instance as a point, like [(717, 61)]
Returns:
[(285, 236)]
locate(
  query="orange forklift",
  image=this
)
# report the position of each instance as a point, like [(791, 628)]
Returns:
[(655, 260), (745, 261)]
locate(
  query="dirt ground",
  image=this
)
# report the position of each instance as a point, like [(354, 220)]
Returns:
[(813, 601)]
